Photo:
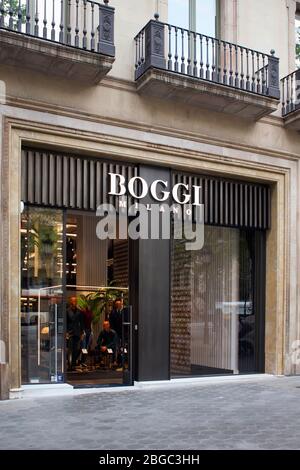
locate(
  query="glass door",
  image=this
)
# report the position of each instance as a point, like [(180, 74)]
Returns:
[(126, 346), (75, 314), (214, 324), (42, 295), (196, 15), (98, 336), (98, 313)]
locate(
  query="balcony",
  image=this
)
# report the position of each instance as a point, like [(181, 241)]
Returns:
[(71, 39), (173, 63), (291, 100)]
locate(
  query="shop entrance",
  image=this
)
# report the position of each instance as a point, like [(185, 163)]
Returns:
[(76, 318), (205, 315)]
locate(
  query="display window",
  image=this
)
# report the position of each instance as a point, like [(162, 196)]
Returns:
[(214, 320), (74, 300)]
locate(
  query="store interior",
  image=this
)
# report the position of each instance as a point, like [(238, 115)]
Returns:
[(97, 282), (75, 313), (74, 301)]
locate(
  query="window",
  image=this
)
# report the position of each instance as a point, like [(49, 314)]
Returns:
[(197, 15), (297, 32), (214, 325)]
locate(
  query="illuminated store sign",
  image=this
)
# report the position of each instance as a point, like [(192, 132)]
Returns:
[(138, 188)]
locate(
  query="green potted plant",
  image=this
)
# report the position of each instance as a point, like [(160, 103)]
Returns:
[(99, 303)]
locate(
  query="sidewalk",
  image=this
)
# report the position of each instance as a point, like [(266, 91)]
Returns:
[(251, 413)]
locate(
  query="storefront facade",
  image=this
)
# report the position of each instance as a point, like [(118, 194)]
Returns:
[(171, 290), (203, 310), (229, 308)]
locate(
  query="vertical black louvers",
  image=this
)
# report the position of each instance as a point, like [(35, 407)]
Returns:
[(74, 182), (68, 181), (231, 203)]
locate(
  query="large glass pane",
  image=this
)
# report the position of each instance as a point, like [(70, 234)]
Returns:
[(205, 17), (297, 37), (67, 318), (178, 11), (212, 315), (197, 15), (42, 318), (98, 315)]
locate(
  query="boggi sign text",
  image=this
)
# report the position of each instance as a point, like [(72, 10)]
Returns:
[(138, 188), (154, 220)]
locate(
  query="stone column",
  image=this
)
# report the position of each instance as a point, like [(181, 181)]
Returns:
[(228, 20), (291, 13), (4, 316)]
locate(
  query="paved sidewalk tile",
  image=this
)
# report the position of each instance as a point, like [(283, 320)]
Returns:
[(261, 414)]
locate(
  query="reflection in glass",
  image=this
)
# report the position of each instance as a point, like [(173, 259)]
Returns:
[(212, 315), (196, 15), (42, 320), (96, 282), (71, 283), (297, 38)]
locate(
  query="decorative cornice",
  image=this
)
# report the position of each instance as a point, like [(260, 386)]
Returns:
[(159, 130), (131, 149)]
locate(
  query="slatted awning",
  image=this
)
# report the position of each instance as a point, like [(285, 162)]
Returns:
[(229, 202), (78, 182), (68, 181)]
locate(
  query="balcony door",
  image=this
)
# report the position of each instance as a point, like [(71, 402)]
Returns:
[(197, 15)]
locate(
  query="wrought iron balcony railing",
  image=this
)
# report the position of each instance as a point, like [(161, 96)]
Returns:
[(175, 49), (83, 24), (290, 93)]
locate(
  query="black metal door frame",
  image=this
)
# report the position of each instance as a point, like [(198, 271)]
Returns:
[(126, 346), (127, 320), (260, 298)]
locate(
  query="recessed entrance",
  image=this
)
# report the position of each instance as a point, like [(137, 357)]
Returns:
[(75, 312), (217, 307), (203, 316)]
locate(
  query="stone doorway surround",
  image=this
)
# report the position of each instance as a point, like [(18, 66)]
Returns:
[(42, 130)]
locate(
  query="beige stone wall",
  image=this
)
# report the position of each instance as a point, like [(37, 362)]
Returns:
[(269, 25), (261, 25), (115, 99), (111, 120), (130, 17), (98, 139), (117, 102)]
